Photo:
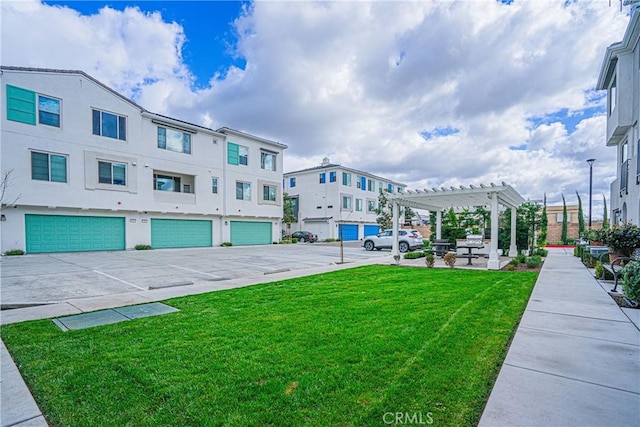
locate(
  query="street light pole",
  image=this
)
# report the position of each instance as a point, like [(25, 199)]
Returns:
[(590, 161)]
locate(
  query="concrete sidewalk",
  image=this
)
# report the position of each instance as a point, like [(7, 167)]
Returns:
[(575, 358)]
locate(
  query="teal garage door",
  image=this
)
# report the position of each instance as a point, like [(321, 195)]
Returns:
[(180, 233), (65, 233), (371, 230), (348, 232), (250, 233)]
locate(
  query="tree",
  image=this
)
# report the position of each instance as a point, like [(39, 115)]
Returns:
[(580, 216), (408, 214), (544, 223), (605, 220), (384, 211), (6, 181), (527, 219), (288, 211), (563, 235)]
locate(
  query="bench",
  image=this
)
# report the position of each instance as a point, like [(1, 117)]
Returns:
[(615, 267)]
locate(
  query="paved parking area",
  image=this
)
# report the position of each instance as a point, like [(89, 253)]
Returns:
[(48, 278)]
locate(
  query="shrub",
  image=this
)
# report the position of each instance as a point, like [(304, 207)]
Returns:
[(426, 243), (142, 247), (510, 267), (413, 255), (429, 259), (514, 262), (598, 269), (623, 239), (226, 244), (571, 242), (521, 258), (631, 281), (294, 240), (589, 260), (541, 252), (577, 252), (533, 261), (450, 259), (285, 241), (330, 239), (14, 252)]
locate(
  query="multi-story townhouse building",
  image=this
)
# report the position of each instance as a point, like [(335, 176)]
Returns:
[(91, 170), (334, 201), (620, 77)]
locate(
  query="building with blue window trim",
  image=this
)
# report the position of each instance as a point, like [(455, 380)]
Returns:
[(335, 201), (92, 170)]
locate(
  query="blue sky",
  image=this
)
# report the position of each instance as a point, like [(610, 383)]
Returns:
[(430, 93)]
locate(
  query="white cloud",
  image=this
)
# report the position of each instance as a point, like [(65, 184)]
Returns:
[(360, 81)]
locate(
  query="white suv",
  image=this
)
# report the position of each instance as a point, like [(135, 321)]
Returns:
[(407, 240)]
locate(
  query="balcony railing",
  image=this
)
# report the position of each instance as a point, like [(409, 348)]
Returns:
[(624, 178)]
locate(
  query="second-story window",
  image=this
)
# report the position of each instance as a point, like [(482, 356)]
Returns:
[(109, 125), (243, 190), (48, 167), (214, 185), (173, 140), (269, 193), (112, 173)]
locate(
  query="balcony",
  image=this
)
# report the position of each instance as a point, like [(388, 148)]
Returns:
[(173, 188)]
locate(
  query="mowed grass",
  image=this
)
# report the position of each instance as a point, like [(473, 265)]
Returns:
[(342, 348)]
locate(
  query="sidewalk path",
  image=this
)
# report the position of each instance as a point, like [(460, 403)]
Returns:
[(575, 357)]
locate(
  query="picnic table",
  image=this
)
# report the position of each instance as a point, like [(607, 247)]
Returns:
[(470, 246)]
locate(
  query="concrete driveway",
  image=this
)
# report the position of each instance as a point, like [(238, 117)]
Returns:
[(47, 278)]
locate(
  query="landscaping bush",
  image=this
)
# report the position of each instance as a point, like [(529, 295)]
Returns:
[(622, 239), (413, 255), (285, 241), (510, 267), (429, 259), (14, 252), (514, 262), (226, 244), (577, 251), (450, 259), (589, 260), (631, 281), (599, 270), (330, 239), (533, 261), (294, 240), (142, 247), (541, 252), (426, 243), (521, 258)]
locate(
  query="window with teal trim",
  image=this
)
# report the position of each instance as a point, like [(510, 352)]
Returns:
[(21, 105)]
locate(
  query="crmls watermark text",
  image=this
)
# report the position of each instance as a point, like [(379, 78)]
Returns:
[(407, 418)]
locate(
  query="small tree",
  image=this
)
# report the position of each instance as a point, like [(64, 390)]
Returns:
[(580, 216), (544, 223), (6, 181), (288, 211), (385, 210), (563, 235)]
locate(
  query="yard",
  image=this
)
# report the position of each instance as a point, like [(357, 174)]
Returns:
[(342, 348)]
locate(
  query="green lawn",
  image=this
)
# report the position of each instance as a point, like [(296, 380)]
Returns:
[(342, 348)]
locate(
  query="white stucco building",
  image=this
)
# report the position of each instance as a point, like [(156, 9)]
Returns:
[(620, 77), (92, 170), (335, 201)]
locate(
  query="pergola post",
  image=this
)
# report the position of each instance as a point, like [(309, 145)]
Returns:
[(494, 258), (513, 248), (395, 250), (438, 224)]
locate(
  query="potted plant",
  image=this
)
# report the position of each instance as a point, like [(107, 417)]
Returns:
[(622, 240), (595, 237)]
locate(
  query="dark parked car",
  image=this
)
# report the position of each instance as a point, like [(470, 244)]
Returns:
[(305, 236)]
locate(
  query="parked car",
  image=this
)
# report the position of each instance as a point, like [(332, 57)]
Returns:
[(408, 239), (305, 236)]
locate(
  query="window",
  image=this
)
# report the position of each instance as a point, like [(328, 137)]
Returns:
[(214, 185), (323, 178), (292, 182), (243, 155), (400, 189), (559, 217), (371, 205), (332, 177), (390, 187), (23, 106), (186, 188), (167, 183), (109, 125), (380, 186), (243, 190), (346, 179), (371, 185), (237, 154), (363, 183), (48, 167), (359, 205), (613, 95), (346, 203), (268, 161), (112, 173), (174, 140), (48, 111), (359, 182), (269, 193)]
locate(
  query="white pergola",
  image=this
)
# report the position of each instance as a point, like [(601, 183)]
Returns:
[(437, 200)]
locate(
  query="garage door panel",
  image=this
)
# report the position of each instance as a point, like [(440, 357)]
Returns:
[(67, 233), (348, 232), (250, 233), (180, 233), (371, 230)]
